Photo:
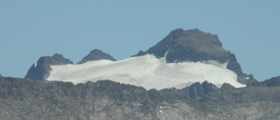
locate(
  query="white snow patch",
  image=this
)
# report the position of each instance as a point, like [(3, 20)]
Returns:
[(216, 63), (146, 71)]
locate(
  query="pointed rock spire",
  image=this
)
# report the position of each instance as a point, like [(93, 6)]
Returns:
[(96, 55)]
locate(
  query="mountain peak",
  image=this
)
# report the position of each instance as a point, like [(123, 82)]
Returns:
[(96, 55), (188, 43), (56, 55), (195, 45), (41, 71), (176, 31), (196, 40)]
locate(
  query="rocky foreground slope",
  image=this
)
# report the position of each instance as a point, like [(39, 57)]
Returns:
[(23, 99)]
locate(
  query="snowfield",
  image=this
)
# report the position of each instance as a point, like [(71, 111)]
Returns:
[(146, 71)]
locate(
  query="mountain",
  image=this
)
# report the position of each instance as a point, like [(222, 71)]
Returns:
[(180, 59), (106, 100), (96, 55), (41, 71), (195, 45), (186, 76)]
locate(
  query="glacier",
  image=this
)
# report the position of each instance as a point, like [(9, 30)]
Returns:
[(146, 71)]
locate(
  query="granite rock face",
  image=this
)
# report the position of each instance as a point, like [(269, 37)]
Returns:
[(23, 99), (195, 45), (41, 71), (96, 55)]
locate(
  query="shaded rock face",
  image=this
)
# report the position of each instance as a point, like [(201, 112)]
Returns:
[(107, 100), (41, 71), (96, 55), (195, 91), (227, 86), (195, 45)]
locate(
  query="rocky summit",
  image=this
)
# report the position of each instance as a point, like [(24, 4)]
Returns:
[(41, 71), (195, 45), (96, 55)]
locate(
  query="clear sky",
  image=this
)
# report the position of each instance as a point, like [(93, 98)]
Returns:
[(31, 29)]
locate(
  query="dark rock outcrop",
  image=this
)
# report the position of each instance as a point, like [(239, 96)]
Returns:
[(96, 55), (275, 81), (195, 45), (41, 71), (208, 87), (195, 91), (227, 86)]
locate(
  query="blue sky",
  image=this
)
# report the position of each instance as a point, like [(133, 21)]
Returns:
[(31, 29)]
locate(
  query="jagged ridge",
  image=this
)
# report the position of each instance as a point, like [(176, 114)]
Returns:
[(27, 99)]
